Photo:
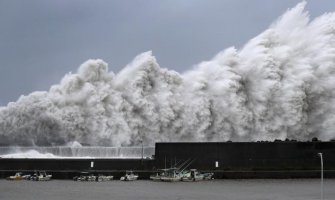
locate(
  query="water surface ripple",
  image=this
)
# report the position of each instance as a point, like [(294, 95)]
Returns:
[(295, 189)]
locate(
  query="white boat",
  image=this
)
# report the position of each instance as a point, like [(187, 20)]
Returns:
[(193, 175), (17, 177), (170, 175), (208, 176), (91, 177), (130, 176), (85, 176), (40, 176), (101, 178), (82, 177), (156, 177), (171, 178)]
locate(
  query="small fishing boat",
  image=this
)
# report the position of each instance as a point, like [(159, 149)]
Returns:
[(156, 177), (40, 176), (130, 176), (91, 178), (171, 175), (192, 175), (208, 176), (102, 177), (17, 177), (83, 176)]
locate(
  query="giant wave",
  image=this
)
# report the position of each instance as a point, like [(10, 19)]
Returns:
[(281, 84)]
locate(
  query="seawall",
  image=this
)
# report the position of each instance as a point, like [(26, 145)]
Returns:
[(226, 159)]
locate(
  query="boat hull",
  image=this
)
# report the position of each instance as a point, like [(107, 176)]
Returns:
[(170, 179)]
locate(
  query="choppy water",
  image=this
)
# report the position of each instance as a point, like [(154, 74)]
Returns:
[(301, 189)]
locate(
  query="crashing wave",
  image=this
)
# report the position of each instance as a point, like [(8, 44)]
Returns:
[(281, 84)]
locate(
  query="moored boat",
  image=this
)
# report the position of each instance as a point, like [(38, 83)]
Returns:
[(192, 175), (156, 177), (129, 176), (208, 176), (170, 175), (82, 177), (102, 177), (40, 176), (17, 177)]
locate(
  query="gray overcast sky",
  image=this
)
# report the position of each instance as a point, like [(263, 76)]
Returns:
[(41, 40)]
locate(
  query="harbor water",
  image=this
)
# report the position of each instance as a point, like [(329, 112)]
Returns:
[(262, 189)]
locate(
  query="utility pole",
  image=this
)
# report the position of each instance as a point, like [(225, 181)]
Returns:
[(321, 158)]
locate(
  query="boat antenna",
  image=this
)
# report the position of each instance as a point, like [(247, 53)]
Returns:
[(187, 165), (184, 163), (177, 163)]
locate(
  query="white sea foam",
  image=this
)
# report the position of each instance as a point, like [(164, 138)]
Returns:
[(76, 152), (281, 84), (29, 154)]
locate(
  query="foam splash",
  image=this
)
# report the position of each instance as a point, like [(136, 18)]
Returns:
[(76, 152), (281, 84), (29, 154)]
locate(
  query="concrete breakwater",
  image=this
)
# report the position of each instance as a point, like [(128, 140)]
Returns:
[(226, 159)]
